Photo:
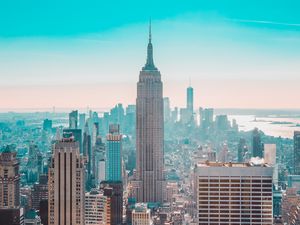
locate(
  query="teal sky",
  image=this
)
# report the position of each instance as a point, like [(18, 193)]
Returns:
[(89, 53)]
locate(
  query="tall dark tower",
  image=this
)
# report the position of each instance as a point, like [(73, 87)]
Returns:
[(297, 152), (190, 99), (257, 146), (150, 179)]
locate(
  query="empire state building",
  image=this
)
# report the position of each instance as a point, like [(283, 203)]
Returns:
[(150, 177)]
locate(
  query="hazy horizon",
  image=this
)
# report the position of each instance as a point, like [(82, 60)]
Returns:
[(235, 57)]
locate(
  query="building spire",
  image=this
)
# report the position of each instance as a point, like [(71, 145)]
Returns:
[(149, 63), (150, 34)]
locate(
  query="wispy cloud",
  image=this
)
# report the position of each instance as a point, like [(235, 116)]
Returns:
[(265, 22)]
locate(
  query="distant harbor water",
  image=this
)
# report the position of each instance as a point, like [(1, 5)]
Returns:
[(272, 122), (271, 125)]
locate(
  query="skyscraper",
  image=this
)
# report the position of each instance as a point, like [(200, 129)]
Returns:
[(73, 119), (141, 215), (87, 153), (234, 193), (9, 179), (149, 132), (96, 208), (39, 192), (113, 190), (257, 147), (270, 158), (297, 152), (10, 211), (81, 121), (242, 150), (167, 110), (206, 118), (77, 134), (190, 99), (66, 184), (113, 171), (47, 125), (98, 162), (34, 164)]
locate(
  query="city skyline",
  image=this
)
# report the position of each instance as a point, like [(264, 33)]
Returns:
[(188, 117), (225, 50)]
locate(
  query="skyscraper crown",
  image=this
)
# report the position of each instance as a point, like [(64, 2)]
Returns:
[(149, 63)]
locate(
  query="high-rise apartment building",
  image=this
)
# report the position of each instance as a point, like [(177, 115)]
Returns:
[(47, 125), (10, 211), (242, 150), (130, 120), (297, 152), (96, 208), (87, 153), (34, 164), (113, 190), (222, 123), (73, 119), (9, 179), (117, 115), (99, 161), (113, 171), (234, 193), (81, 121), (270, 158), (206, 118), (167, 109), (257, 146), (141, 215), (150, 179), (270, 154), (39, 192), (66, 184)]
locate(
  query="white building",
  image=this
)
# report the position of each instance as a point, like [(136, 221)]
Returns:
[(95, 208), (270, 158), (141, 215), (270, 154), (234, 193)]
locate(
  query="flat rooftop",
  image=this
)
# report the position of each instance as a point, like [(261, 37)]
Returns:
[(230, 164)]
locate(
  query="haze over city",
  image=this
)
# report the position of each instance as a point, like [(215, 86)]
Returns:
[(247, 53), (149, 112)]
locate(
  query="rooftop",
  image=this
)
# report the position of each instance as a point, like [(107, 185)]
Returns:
[(230, 164), (141, 207)]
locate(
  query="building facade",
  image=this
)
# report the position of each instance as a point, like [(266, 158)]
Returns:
[(113, 190), (73, 119), (234, 193), (113, 171), (9, 179), (242, 150), (66, 184), (96, 208), (150, 179), (141, 215), (297, 152), (190, 99), (257, 146), (39, 192)]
